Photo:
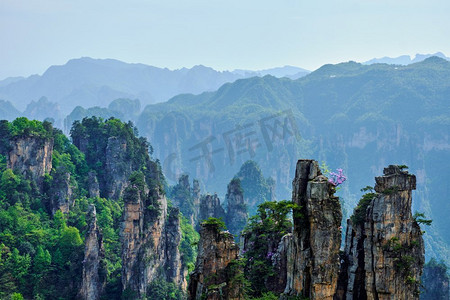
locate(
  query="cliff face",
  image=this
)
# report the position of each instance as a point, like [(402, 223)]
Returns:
[(61, 196), (173, 266), (187, 198), (384, 252), (94, 189), (93, 279), (313, 254), (435, 282), (196, 201), (236, 216), (140, 238), (210, 207), (118, 167), (114, 156), (31, 156), (150, 241), (216, 265)]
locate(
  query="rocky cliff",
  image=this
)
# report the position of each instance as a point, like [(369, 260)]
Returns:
[(196, 201), (313, 253), (210, 207), (175, 272), (31, 156), (93, 280), (236, 216), (187, 198), (118, 167), (61, 193), (216, 267), (384, 250), (150, 240), (93, 187), (435, 281)]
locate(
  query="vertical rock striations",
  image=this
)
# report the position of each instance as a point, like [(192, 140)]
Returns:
[(216, 266), (143, 239), (150, 239), (118, 167), (173, 266), (93, 280), (186, 198), (94, 189), (31, 156), (210, 207), (236, 216), (61, 196), (313, 256), (196, 201), (384, 250)]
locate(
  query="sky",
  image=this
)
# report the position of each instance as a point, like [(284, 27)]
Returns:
[(225, 35)]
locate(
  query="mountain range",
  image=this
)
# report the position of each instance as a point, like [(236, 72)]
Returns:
[(96, 82), (404, 59), (353, 116)]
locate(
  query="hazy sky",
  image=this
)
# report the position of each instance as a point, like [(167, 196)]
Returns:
[(227, 34)]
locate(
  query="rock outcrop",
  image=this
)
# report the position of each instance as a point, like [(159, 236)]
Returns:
[(175, 272), (94, 188), (216, 267), (118, 167), (31, 156), (187, 198), (435, 281), (93, 280), (61, 196), (196, 201), (384, 249), (150, 240), (313, 254), (236, 216), (280, 260), (210, 207)]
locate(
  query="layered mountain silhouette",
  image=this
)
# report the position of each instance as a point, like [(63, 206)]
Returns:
[(404, 59), (96, 82)]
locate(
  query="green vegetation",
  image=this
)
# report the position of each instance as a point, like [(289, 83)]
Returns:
[(24, 127), (235, 275), (262, 236), (256, 188), (217, 224), (359, 213), (188, 244), (92, 136), (420, 218), (182, 197), (42, 255), (390, 190), (164, 290)]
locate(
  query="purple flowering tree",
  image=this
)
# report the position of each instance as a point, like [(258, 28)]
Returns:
[(337, 178)]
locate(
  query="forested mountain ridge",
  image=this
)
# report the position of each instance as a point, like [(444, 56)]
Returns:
[(357, 117)]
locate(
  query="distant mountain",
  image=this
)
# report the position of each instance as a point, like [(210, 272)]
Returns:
[(96, 82), (357, 117), (8, 111), (404, 59), (286, 71)]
